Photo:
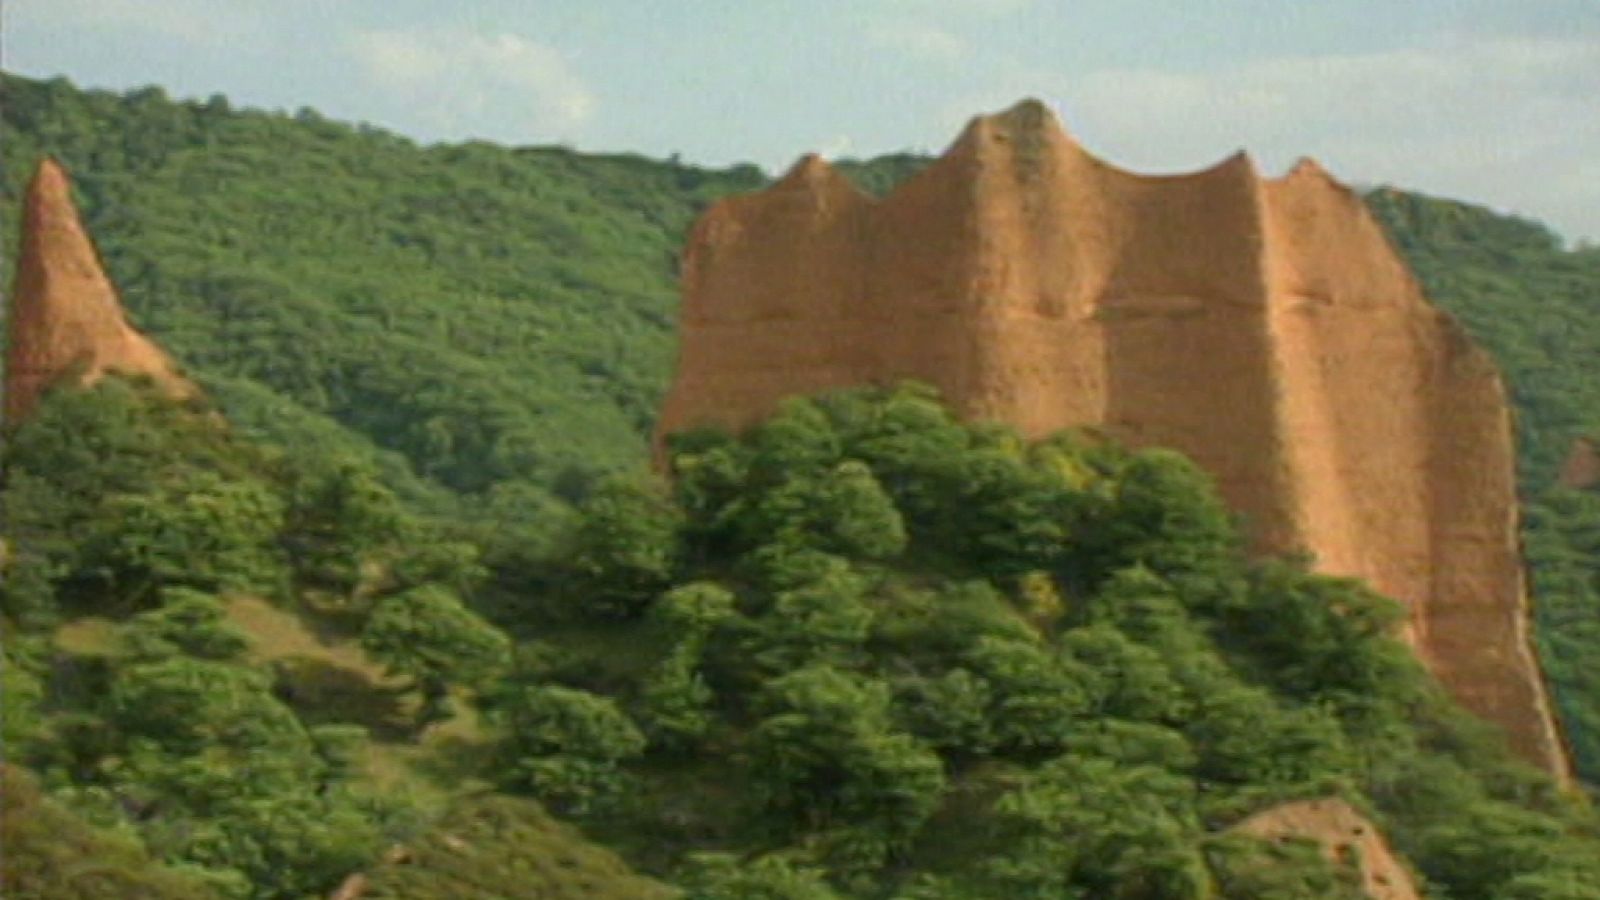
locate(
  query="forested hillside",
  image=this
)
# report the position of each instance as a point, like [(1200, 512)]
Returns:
[(405, 600), (498, 320), (865, 651)]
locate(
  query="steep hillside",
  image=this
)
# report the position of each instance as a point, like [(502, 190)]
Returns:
[(489, 316), (497, 321), (864, 651)]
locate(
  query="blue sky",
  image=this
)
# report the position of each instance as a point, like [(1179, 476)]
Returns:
[(1495, 101)]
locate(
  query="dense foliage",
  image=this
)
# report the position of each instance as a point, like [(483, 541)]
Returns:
[(493, 321), (889, 654), (863, 651), (141, 517)]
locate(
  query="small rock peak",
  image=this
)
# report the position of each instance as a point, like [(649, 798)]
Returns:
[(810, 170), (814, 176), (64, 316), (806, 168), (1029, 116), (1308, 172), (1026, 138), (50, 181), (1308, 167), (1240, 161)]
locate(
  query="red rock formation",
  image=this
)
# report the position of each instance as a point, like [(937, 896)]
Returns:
[(1265, 327), (1581, 469), (64, 318), (1347, 838)]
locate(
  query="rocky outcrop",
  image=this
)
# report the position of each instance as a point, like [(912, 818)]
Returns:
[(65, 319), (1346, 838), (1265, 327), (1581, 469)]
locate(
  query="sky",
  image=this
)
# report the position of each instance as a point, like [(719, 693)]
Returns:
[(1492, 101)]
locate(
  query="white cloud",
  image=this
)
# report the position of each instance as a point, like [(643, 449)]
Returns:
[(467, 83), (919, 40), (1506, 121)]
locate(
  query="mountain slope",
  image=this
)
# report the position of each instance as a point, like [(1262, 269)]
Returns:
[(489, 315), (497, 323)]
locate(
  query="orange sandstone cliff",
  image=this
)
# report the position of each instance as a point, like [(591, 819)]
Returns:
[(65, 319), (1265, 327)]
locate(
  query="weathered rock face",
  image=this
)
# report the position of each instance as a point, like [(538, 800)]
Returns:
[(1346, 838), (64, 318), (1265, 327)]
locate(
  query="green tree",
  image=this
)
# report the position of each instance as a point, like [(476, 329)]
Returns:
[(828, 757), (203, 531), (569, 745), (724, 877), (339, 519), (187, 622), (625, 549), (428, 635), (1087, 826)]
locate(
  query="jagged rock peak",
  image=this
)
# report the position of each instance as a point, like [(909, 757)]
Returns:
[(64, 318), (1029, 116), (1028, 132), (814, 174), (1308, 167)]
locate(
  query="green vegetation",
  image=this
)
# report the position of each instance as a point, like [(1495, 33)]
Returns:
[(491, 321), (491, 847), (52, 853), (862, 651)]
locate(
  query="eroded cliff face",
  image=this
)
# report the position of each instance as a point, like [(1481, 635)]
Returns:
[(1265, 327), (65, 319)]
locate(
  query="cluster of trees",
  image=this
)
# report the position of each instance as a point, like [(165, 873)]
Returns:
[(143, 516), (864, 650), (872, 651)]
